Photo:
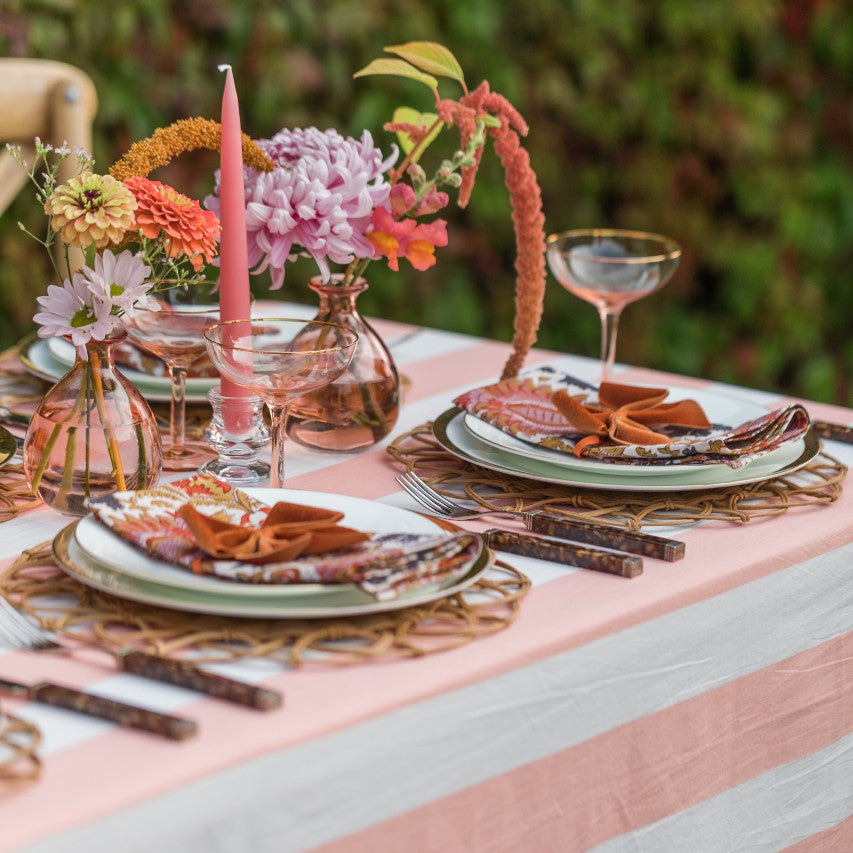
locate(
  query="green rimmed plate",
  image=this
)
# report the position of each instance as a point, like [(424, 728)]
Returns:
[(450, 432)]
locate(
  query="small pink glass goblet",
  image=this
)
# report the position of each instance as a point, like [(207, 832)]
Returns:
[(610, 267), (174, 334), (280, 359)]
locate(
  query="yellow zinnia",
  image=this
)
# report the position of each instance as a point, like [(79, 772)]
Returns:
[(91, 209)]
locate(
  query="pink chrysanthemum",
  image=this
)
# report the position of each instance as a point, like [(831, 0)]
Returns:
[(318, 200), (164, 213)]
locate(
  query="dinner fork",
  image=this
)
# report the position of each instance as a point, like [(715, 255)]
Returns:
[(538, 521), (22, 633)]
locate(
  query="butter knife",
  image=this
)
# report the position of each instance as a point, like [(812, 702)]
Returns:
[(833, 432), (608, 536), (178, 672), (582, 556), (184, 674), (129, 716)]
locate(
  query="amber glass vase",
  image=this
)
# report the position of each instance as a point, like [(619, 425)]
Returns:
[(92, 434), (361, 406)]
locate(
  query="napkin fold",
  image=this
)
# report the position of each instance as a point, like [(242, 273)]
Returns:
[(625, 424), (288, 531), (623, 413), (205, 526)]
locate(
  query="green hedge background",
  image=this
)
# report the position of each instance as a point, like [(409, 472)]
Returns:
[(726, 125)]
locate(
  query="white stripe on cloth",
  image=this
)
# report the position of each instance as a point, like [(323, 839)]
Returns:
[(334, 786), (774, 810)]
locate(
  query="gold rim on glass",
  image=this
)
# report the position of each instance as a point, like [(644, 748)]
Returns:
[(671, 252), (260, 320)]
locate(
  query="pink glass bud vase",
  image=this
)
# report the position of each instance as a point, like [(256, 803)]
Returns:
[(362, 405), (92, 434)]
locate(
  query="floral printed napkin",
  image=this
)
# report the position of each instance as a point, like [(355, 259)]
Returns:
[(534, 408), (384, 565)]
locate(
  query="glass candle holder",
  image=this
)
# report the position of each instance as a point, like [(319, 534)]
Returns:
[(237, 446)]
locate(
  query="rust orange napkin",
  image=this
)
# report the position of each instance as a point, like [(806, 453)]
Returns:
[(623, 413), (288, 531)]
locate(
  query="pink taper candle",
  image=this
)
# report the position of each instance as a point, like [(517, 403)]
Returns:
[(234, 298)]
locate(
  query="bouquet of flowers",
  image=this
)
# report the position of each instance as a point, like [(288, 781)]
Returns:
[(121, 241), (136, 236), (337, 199)]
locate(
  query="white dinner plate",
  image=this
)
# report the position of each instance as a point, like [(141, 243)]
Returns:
[(37, 358), (450, 432), (94, 555)]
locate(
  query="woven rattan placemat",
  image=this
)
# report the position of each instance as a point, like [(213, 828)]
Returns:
[(817, 483), (60, 603), (19, 760)]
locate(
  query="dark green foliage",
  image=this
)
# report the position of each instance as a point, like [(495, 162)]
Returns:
[(727, 126)]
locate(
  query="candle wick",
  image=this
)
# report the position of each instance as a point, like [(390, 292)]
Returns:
[(224, 67)]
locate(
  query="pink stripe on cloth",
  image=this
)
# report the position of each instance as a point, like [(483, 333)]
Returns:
[(640, 772), (837, 838), (482, 362)]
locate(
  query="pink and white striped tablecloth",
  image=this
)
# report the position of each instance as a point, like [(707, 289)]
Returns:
[(705, 706)]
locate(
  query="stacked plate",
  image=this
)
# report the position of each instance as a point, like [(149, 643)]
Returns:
[(476, 441), (52, 358), (94, 555)]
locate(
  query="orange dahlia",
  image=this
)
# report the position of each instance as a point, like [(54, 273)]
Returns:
[(163, 213)]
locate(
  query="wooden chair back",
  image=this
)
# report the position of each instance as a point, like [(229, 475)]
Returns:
[(51, 100)]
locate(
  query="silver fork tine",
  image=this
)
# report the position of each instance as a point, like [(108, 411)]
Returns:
[(445, 503), (420, 497), (21, 631)]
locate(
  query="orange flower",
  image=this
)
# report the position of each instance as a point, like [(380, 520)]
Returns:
[(164, 213), (415, 242)]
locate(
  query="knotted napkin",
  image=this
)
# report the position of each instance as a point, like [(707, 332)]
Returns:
[(622, 415), (288, 531), (614, 424), (205, 526)]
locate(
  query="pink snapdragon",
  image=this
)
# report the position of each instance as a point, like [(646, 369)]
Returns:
[(406, 238)]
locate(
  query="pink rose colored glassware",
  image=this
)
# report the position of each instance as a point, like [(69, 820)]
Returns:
[(610, 267), (280, 359), (174, 334)]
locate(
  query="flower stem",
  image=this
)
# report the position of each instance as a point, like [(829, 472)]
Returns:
[(112, 444)]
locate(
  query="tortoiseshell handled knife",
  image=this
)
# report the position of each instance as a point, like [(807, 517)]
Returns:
[(130, 716)]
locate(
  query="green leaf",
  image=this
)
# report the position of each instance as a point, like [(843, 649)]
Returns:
[(397, 68), (431, 57), (407, 115)]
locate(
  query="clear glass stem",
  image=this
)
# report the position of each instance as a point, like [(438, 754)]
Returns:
[(177, 428), (278, 426), (609, 327)]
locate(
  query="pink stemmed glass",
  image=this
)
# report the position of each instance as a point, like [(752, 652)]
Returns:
[(610, 267), (280, 359), (174, 334)]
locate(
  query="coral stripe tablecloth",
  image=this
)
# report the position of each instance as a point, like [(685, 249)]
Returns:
[(706, 705)]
